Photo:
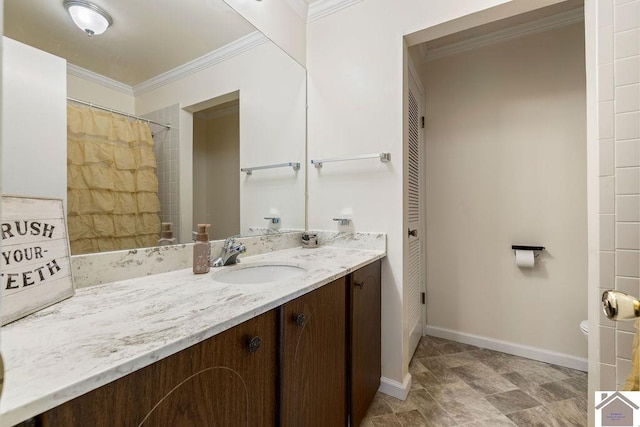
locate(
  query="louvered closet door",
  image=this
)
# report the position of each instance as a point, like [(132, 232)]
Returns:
[(414, 235)]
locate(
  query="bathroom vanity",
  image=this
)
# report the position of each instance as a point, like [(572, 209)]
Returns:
[(177, 349)]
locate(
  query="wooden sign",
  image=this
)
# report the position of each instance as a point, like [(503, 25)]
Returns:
[(35, 267)]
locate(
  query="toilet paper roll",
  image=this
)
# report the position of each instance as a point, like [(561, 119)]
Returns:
[(525, 259)]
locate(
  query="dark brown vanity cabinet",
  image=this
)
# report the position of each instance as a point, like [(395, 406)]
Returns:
[(364, 339), (313, 358), (227, 380), (330, 351), (314, 361)]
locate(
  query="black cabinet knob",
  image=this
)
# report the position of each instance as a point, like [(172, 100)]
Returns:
[(300, 319), (359, 284), (254, 344)]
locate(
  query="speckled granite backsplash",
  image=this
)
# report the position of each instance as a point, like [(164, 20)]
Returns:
[(106, 267)]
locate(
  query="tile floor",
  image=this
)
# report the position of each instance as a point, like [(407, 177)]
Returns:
[(459, 384)]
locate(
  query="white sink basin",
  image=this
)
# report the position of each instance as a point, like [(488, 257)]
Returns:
[(258, 273)]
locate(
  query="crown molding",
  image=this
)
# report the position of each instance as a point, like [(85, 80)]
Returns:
[(300, 7), (205, 61), (327, 7), (517, 31), (99, 79)]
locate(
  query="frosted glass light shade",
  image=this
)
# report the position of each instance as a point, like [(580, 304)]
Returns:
[(88, 17)]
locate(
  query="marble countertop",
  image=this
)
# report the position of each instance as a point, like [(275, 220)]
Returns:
[(107, 331)]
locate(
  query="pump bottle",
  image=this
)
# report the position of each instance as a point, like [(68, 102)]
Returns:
[(202, 250), (166, 235)]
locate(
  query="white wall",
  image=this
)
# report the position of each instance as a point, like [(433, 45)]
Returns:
[(278, 21), (34, 122), (272, 130), (506, 164), (89, 91), (355, 61)]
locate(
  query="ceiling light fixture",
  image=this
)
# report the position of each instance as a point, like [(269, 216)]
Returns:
[(90, 18)]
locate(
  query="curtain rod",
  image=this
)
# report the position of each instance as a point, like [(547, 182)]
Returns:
[(111, 110)]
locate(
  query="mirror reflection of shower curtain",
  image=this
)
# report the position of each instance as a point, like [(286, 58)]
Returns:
[(112, 187), (632, 382)]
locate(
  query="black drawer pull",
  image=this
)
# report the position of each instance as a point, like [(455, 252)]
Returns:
[(254, 344), (359, 284), (300, 319)]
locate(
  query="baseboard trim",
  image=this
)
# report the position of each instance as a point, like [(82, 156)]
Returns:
[(534, 353), (394, 388)]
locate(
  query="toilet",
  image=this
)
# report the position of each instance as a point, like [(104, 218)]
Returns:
[(584, 328)]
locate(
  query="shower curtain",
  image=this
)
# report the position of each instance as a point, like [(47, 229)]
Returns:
[(112, 187)]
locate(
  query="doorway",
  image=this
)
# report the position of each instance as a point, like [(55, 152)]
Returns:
[(216, 162), (505, 164)]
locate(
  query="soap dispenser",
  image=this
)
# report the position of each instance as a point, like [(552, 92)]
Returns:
[(202, 250), (166, 235)]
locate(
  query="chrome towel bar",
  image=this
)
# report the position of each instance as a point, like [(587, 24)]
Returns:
[(294, 165), (384, 157)]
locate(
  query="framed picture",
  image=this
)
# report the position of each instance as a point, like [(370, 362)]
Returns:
[(35, 266)]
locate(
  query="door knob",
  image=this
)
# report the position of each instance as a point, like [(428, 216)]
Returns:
[(620, 306), (413, 233)]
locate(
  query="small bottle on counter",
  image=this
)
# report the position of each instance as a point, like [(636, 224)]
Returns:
[(166, 235), (202, 250)]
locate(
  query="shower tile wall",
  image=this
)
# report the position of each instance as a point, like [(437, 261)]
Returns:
[(166, 145), (618, 55)]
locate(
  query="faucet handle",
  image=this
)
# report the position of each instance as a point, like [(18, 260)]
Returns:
[(229, 241)]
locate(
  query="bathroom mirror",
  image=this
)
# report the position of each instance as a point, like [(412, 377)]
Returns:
[(181, 63)]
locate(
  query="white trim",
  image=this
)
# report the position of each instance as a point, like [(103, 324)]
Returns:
[(96, 78), (205, 61), (517, 31), (234, 109), (534, 353), (327, 7), (394, 388), (300, 7)]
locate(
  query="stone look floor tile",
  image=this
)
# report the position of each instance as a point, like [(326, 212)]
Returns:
[(467, 406), (565, 389), (512, 401), (536, 391), (542, 374), (483, 379), (500, 421), (570, 412), (458, 384), (366, 423), (411, 419), (415, 366), (429, 408), (458, 359), (534, 417), (386, 421), (378, 407), (439, 370), (398, 405)]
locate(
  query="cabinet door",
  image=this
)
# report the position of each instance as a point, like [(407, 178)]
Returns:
[(365, 333), (223, 381), (313, 358)]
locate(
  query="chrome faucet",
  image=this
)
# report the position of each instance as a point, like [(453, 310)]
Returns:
[(229, 253)]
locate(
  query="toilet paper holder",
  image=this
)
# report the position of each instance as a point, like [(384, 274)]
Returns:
[(528, 248)]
